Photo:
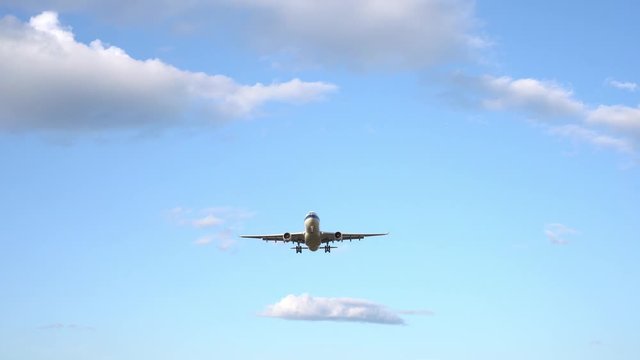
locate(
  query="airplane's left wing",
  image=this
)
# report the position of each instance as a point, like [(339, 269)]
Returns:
[(286, 237), (331, 237)]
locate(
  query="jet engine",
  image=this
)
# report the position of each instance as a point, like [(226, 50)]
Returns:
[(338, 235), (286, 236)]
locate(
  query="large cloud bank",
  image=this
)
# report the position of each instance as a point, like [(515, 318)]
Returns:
[(51, 81), (360, 34)]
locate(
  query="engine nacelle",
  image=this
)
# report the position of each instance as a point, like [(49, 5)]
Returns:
[(338, 235), (286, 236)]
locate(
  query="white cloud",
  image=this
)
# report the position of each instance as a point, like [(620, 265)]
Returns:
[(557, 233), (356, 33), (116, 9), (207, 221), (221, 223), (615, 127), (61, 326), (178, 211), (53, 326), (367, 33), (208, 217), (622, 85), (223, 240), (539, 98), (204, 240), (580, 133), (52, 82), (307, 307), (622, 118)]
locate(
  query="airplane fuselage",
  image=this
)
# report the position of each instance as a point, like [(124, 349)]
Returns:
[(312, 234)]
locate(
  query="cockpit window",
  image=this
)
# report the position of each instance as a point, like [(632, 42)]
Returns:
[(312, 215)]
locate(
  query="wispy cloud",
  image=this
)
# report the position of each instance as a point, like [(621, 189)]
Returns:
[(417, 312), (61, 326), (220, 224), (622, 85), (207, 217), (598, 139), (204, 240), (223, 240), (207, 221), (75, 87), (557, 233), (556, 107), (307, 307), (178, 211)]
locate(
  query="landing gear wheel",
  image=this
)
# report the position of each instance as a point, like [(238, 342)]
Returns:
[(327, 248), (298, 249)]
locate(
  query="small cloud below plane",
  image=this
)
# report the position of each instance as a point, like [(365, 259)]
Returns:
[(312, 237), (342, 309)]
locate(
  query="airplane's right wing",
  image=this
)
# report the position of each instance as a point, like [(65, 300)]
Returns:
[(349, 236), (286, 237)]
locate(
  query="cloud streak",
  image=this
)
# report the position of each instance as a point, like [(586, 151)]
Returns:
[(622, 85), (207, 217), (207, 221), (557, 233), (50, 81), (223, 240), (61, 326), (580, 133), (307, 307), (610, 126), (218, 222)]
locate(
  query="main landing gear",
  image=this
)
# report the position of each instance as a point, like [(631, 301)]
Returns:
[(327, 248), (298, 249)]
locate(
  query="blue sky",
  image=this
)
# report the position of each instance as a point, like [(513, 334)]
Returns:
[(497, 142)]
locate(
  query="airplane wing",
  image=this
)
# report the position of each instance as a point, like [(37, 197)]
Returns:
[(286, 237), (328, 237)]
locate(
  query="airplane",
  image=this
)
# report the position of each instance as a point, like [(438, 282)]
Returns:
[(312, 237)]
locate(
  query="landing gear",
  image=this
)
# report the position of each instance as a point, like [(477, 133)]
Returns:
[(298, 249), (327, 248)]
